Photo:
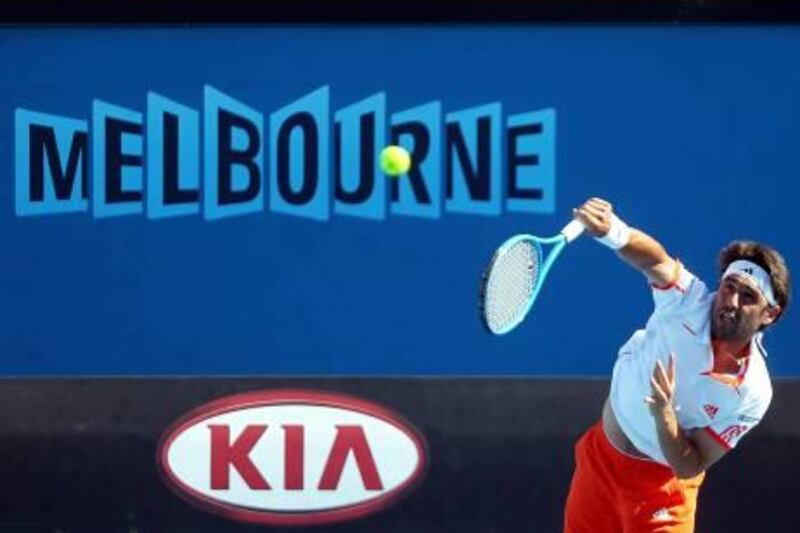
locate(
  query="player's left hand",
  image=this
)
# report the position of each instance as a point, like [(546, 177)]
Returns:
[(663, 388)]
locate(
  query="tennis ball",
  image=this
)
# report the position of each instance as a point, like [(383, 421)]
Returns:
[(395, 160)]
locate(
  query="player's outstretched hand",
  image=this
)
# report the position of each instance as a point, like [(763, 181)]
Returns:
[(663, 387)]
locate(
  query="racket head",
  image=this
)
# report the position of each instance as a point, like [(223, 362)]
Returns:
[(510, 283)]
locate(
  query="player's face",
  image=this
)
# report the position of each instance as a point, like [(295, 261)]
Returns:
[(739, 310)]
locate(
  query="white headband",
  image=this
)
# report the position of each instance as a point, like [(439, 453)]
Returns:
[(754, 273)]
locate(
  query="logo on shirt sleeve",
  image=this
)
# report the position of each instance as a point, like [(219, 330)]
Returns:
[(732, 433), (711, 410)]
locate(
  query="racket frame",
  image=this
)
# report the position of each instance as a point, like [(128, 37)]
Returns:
[(569, 233)]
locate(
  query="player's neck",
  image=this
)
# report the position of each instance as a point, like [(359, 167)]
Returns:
[(729, 355)]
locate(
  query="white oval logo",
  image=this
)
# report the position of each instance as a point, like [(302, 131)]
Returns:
[(291, 457)]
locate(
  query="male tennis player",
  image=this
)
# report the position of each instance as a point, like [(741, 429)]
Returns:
[(684, 390)]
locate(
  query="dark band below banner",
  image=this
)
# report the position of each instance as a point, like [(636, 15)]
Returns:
[(372, 454)]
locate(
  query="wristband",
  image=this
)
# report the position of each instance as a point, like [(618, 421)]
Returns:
[(618, 234)]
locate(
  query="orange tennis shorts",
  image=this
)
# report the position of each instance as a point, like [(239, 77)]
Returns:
[(613, 492)]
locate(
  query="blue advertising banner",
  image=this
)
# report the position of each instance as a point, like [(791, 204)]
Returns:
[(190, 201)]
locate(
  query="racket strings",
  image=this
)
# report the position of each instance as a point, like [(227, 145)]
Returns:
[(510, 284)]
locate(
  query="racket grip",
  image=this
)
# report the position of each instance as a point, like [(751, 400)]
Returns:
[(573, 230)]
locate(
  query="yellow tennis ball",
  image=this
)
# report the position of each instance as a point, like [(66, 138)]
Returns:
[(395, 160)]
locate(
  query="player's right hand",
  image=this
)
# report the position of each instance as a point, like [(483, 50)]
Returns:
[(595, 214)]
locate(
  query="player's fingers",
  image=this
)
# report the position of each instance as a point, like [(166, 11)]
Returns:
[(658, 393), (600, 203), (596, 209), (658, 371), (600, 200), (661, 376), (671, 374), (589, 218), (600, 218), (595, 224)]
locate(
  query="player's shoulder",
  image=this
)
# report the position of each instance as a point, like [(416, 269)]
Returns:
[(684, 285), (747, 407), (754, 393), (693, 285), (753, 404), (687, 299), (758, 382)]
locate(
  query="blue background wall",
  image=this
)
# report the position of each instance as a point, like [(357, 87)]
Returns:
[(690, 131)]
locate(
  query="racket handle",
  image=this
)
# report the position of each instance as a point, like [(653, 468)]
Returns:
[(573, 230)]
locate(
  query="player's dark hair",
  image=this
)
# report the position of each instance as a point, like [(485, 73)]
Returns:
[(767, 258)]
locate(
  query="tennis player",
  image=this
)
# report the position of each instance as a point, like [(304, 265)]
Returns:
[(684, 389)]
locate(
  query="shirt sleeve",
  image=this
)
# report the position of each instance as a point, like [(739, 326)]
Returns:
[(678, 295), (729, 431)]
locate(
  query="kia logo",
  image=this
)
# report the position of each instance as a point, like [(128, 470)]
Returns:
[(291, 457)]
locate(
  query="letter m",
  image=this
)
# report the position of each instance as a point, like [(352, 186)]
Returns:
[(51, 164)]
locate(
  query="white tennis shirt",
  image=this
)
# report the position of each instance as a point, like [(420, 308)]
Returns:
[(681, 323)]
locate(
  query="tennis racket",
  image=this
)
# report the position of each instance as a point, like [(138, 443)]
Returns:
[(515, 275)]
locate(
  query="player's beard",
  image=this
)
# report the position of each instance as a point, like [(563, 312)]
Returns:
[(730, 324)]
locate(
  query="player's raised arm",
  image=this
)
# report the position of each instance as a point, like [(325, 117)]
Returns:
[(634, 246)]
